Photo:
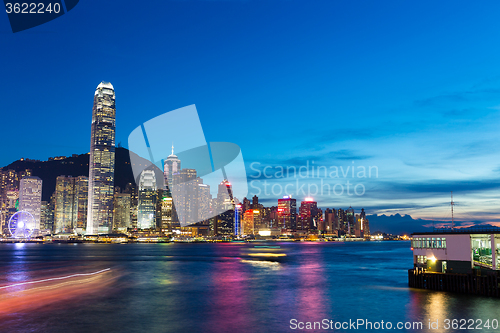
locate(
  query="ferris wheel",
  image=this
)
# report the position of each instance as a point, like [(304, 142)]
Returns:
[(21, 224)]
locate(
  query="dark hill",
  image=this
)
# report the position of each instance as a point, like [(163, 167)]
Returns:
[(73, 166)]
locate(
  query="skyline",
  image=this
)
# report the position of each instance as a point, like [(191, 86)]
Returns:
[(418, 102)]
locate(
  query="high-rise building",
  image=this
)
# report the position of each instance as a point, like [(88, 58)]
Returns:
[(185, 195), (80, 204), (52, 211), (9, 180), (146, 214), (342, 221), (121, 212), (248, 224), (308, 215), (171, 167), (46, 217), (287, 213), (225, 223), (350, 220), (246, 205), (238, 212), (102, 161), (30, 198), (134, 203), (362, 225), (255, 202), (204, 201), (331, 221), (225, 200), (64, 205), (251, 221), (166, 214)]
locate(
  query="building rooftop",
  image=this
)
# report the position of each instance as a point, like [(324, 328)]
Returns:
[(471, 230), (106, 85)]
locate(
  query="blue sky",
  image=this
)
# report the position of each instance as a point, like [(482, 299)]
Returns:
[(409, 87)]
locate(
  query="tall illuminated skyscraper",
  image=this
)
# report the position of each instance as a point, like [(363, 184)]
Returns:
[(308, 215), (80, 203), (185, 193), (102, 161), (64, 205), (287, 213), (30, 197), (146, 215), (225, 200), (171, 167), (121, 213)]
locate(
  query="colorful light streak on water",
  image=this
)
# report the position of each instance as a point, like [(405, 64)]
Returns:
[(40, 294), (216, 288)]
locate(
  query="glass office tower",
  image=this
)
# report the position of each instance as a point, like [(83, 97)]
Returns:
[(102, 161)]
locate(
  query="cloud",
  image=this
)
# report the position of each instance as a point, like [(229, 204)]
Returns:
[(406, 224), (440, 186), (458, 97)]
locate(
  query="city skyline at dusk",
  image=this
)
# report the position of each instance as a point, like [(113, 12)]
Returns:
[(249, 166), (416, 102)]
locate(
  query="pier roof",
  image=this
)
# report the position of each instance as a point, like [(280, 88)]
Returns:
[(449, 231)]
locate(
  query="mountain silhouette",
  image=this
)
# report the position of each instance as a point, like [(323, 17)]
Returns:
[(76, 165)]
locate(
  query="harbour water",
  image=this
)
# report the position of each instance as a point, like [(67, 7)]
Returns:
[(221, 288)]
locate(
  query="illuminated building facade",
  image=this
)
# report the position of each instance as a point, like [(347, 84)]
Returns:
[(248, 225), (171, 167), (308, 215), (30, 198), (350, 221), (64, 204), (287, 213), (80, 207), (121, 212), (331, 221), (102, 161), (225, 223), (204, 201), (146, 214), (8, 183), (185, 195), (238, 212), (166, 214), (251, 222), (362, 225), (46, 217), (134, 203), (225, 200)]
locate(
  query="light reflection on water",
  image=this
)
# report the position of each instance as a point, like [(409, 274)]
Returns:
[(218, 288)]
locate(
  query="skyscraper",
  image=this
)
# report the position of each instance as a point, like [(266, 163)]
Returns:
[(102, 161), (309, 215), (146, 215), (248, 222), (30, 198), (64, 206), (287, 213), (121, 213), (225, 200), (166, 214), (171, 167), (185, 195), (80, 203), (46, 216), (331, 220), (351, 223), (238, 212), (204, 201)]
